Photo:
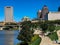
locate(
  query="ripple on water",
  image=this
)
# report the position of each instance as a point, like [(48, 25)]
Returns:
[(8, 36)]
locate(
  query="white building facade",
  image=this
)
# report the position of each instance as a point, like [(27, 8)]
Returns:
[(54, 16)]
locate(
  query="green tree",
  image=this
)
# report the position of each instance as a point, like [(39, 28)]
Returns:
[(26, 33), (51, 27), (44, 26)]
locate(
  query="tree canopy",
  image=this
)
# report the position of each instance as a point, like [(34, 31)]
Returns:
[(26, 33)]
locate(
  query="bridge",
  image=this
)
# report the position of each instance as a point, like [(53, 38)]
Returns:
[(3, 26)]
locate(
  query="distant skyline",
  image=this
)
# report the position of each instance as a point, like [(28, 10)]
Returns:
[(27, 7)]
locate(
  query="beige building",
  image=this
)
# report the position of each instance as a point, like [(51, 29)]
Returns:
[(2, 23), (54, 16), (8, 14), (25, 19)]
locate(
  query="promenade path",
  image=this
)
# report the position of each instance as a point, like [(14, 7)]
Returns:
[(46, 41)]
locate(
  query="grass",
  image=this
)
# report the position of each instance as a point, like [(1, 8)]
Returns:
[(57, 28), (53, 36), (18, 43), (35, 40)]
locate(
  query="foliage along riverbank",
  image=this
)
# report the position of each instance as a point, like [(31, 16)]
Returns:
[(26, 34)]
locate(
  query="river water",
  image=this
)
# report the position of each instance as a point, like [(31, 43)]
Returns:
[(8, 37)]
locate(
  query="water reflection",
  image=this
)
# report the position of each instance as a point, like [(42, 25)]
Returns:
[(8, 37)]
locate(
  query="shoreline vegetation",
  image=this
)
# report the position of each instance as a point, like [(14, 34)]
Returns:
[(44, 26)]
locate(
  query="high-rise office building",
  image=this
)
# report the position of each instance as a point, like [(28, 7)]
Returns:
[(8, 14), (43, 14)]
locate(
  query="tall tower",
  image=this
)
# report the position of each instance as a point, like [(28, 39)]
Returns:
[(44, 12), (8, 14)]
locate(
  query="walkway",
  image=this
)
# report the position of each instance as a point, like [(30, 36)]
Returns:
[(46, 41)]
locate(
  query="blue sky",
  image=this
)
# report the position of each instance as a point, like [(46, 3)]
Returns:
[(27, 7)]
